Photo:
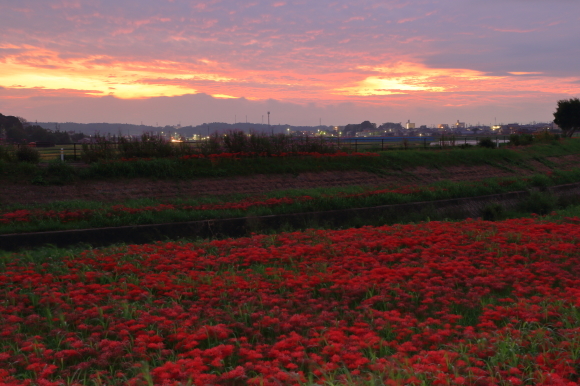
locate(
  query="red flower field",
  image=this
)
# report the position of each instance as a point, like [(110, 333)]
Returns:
[(468, 303), (119, 211)]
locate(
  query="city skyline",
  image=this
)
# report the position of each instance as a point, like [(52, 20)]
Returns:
[(433, 61)]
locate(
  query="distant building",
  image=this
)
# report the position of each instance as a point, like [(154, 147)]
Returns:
[(443, 126), (409, 125), (459, 125)]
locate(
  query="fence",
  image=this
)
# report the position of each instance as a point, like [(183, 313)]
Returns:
[(49, 151), (73, 151), (409, 143)]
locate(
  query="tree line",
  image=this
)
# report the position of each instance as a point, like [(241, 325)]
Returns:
[(17, 130)]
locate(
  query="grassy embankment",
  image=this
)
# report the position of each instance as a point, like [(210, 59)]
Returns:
[(386, 163), (80, 214), (309, 200), (320, 199)]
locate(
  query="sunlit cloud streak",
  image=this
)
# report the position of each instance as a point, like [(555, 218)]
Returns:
[(389, 55)]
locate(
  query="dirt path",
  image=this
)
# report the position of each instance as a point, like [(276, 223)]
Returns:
[(165, 189)]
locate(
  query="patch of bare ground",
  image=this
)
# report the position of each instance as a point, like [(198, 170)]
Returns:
[(571, 160), (119, 190)]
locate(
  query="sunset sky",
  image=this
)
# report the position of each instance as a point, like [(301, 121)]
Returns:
[(344, 61)]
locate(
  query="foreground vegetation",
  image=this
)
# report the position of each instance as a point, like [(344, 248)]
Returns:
[(210, 164), (470, 302), (473, 303)]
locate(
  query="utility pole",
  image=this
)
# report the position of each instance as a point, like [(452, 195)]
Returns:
[(269, 123)]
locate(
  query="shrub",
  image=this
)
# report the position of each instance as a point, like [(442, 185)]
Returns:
[(147, 146), (280, 143), (541, 180), (27, 154), (236, 141), (259, 143), (493, 212), (6, 153), (60, 173), (487, 142), (100, 149), (319, 145), (521, 139), (545, 136), (514, 140), (212, 145), (538, 203)]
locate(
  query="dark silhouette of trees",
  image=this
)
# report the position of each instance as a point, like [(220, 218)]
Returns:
[(367, 125), (351, 129), (8, 122), (18, 130), (391, 126), (567, 116)]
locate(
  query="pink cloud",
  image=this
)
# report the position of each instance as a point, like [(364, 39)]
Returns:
[(513, 30), (296, 52)]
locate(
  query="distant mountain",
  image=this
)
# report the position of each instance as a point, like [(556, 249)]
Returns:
[(187, 131)]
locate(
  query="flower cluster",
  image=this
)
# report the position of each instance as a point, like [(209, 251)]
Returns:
[(470, 303), (65, 216)]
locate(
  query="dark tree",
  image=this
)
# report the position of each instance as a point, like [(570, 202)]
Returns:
[(351, 129), (16, 134), (567, 116), (77, 137), (391, 125), (367, 125), (9, 122)]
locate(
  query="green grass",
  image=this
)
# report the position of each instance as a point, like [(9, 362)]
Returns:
[(323, 199), (387, 162)]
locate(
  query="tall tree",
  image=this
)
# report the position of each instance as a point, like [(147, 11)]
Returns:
[(567, 116)]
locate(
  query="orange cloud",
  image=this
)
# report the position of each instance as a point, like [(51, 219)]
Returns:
[(36, 67), (29, 67), (417, 79)]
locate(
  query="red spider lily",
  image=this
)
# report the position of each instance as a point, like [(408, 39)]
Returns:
[(471, 303), (65, 216)]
